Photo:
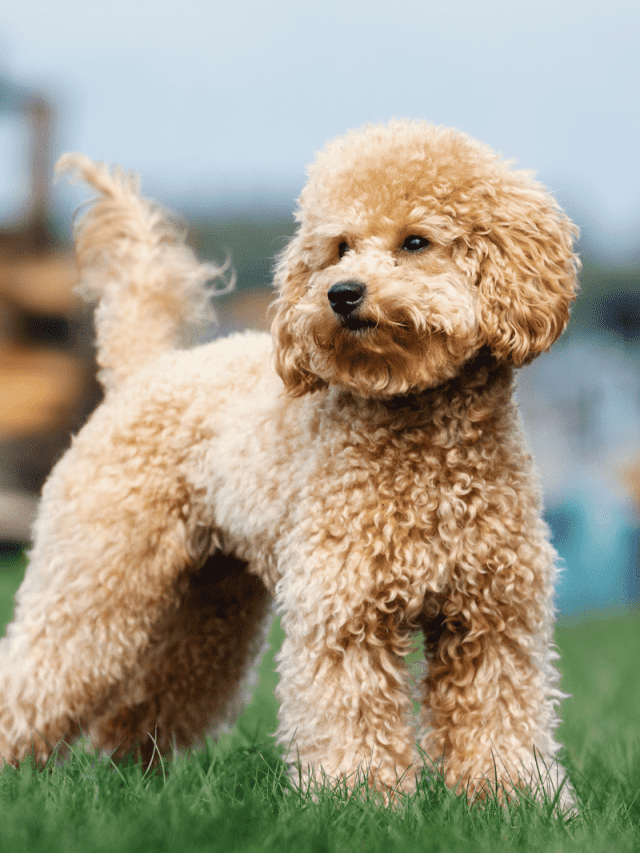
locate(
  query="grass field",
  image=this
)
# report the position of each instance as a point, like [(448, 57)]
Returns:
[(233, 796)]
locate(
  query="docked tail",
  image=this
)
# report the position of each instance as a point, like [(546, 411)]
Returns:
[(134, 263)]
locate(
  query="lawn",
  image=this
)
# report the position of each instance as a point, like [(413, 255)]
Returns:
[(233, 795)]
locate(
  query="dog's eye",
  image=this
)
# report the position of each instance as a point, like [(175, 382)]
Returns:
[(343, 248), (415, 243)]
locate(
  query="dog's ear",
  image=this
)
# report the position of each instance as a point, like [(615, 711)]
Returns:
[(291, 352), (527, 273)]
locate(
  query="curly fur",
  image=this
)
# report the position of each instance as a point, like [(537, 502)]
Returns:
[(375, 482)]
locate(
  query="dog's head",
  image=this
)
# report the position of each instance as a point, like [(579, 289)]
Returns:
[(417, 246)]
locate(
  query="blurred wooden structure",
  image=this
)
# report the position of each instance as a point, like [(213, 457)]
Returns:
[(46, 362)]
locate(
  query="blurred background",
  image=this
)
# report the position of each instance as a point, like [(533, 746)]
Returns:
[(219, 107)]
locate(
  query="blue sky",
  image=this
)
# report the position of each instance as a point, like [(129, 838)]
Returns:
[(227, 101)]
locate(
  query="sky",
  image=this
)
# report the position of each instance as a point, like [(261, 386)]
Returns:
[(224, 103)]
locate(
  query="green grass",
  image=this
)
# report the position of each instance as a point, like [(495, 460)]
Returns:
[(233, 796)]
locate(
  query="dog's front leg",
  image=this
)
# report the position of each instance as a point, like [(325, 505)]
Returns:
[(491, 689), (343, 682)]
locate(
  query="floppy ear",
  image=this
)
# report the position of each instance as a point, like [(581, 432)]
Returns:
[(290, 349), (527, 274)]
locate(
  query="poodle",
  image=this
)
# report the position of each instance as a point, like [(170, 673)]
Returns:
[(363, 466)]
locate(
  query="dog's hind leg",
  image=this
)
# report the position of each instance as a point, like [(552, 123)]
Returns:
[(118, 527), (195, 677)]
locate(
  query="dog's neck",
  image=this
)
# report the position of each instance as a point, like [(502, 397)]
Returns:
[(480, 392)]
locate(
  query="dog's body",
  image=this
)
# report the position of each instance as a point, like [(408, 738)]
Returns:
[(374, 480)]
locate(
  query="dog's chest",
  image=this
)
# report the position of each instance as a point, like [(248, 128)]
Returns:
[(401, 498)]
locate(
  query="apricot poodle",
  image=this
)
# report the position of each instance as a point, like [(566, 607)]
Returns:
[(363, 466)]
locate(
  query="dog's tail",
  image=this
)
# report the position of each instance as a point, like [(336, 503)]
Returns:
[(134, 263)]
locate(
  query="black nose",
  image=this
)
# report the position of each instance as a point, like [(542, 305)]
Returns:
[(346, 296)]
